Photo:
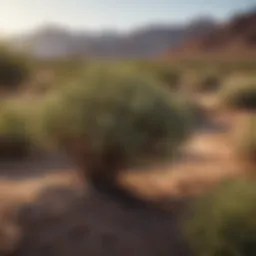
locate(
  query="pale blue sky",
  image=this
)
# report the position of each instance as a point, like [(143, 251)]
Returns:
[(21, 15)]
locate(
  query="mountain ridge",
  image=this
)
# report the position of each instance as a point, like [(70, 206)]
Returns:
[(53, 41)]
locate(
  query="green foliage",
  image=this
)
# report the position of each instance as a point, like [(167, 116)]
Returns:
[(239, 94), (223, 222), (115, 118), (14, 69), (15, 139), (67, 69), (196, 115), (206, 81), (166, 74), (210, 82)]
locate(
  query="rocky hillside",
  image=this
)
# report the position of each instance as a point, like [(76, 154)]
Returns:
[(236, 38)]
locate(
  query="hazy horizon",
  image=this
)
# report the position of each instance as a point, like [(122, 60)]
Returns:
[(19, 16)]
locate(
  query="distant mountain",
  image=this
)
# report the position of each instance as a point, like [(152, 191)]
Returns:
[(236, 38), (54, 41)]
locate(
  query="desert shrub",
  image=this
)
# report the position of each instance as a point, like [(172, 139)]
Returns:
[(67, 69), (113, 120), (14, 69), (239, 94), (223, 222), (169, 76), (206, 82), (245, 138), (196, 115), (15, 136), (163, 72)]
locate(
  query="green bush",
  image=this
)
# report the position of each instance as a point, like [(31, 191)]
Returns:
[(163, 72), (223, 222), (15, 136), (67, 69), (168, 76), (113, 120), (206, 82), (196, 115), (14, 69), (239, 94)]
